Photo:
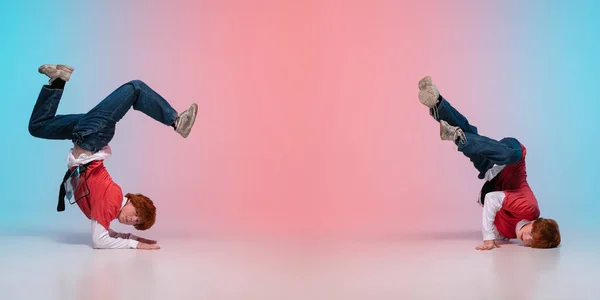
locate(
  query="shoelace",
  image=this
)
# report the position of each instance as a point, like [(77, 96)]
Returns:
[(457, 134), (434, 112)]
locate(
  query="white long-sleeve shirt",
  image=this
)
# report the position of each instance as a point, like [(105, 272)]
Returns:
[(492, 204)]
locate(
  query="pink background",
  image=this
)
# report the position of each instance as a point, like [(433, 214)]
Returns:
[(309, 122)]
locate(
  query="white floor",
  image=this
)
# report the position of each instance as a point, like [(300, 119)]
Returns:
[(442, 266)]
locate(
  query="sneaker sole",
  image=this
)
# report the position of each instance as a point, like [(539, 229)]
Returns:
[(42, 68), (63, 71), (194, 110), (445, 130), (65, 68), (425, 82), (428, 96)]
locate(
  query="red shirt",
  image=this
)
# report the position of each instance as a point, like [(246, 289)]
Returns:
[(520, 202), (104, 197)]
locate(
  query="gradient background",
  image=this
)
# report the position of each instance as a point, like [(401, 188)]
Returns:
[(309, 122)]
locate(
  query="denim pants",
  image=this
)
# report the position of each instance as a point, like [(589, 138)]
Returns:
[(483, 152), (94, 130)]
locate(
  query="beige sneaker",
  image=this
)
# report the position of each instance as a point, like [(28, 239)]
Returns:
[(451, 133), (185, 120), (428, 92), (56, 71)]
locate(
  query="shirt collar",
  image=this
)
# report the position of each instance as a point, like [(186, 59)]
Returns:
[(520, 225), (124, 202)]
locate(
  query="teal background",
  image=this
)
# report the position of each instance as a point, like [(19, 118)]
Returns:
[(34, 33)]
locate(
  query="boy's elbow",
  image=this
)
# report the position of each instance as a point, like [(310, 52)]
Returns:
[(98, 243)]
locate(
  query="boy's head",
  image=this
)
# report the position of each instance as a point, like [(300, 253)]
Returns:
[(139, 212), (541, 233), (545, 233)]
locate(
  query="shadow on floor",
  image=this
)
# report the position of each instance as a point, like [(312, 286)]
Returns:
[(84, 238), (467, 235), (59, 236), (437, 236)]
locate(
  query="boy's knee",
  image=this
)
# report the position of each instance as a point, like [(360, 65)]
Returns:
[(516, 150), (511, 142), (34, 130), (137, 84), (515, 156)]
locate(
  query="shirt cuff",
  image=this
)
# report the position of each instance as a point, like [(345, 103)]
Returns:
[(488, 236), (133, 244)]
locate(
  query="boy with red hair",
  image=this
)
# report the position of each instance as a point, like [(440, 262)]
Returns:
[(86, 181), (510, 209)]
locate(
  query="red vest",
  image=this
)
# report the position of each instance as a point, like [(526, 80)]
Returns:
[(104, 197), (520, 202)]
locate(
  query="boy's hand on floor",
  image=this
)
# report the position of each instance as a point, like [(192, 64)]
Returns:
[(487, 245), (144, 246)]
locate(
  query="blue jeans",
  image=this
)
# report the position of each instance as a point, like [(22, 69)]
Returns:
[(483, 152), (94, 130)]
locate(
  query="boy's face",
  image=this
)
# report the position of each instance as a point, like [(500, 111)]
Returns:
[(525, 234), (128, 215)]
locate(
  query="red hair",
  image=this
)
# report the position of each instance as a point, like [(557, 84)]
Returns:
[(145, 209), (545, 234)]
